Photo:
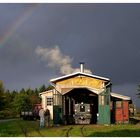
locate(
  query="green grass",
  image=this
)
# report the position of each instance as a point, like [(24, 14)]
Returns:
[(20, 128)]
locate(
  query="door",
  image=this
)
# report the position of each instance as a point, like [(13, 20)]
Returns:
[(121, 112), (104, 107), (57, 112), (57, 108)]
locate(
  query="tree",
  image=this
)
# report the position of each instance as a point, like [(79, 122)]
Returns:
[(50, 87), (36, 91), (42, 88), (29, 91), (22, 102), (13, 94), (1, 87), (1, 96), (34, 99), (7, 99), (138, 91), (23, 91), (33, 96)]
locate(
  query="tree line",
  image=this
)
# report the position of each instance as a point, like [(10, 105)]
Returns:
[(12, 102)]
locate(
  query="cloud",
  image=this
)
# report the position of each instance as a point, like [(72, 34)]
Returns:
[(54, 58)]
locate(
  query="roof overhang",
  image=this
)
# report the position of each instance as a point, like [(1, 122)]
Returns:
[(96, 91), (116, 95), (78, 73), (48, 91)]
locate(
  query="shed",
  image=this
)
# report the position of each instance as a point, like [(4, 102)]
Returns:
[(120, 108)]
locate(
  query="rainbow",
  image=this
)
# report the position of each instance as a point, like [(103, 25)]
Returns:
[(18, 22)]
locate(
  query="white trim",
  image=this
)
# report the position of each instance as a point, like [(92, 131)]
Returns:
[(120, 96), (67, 91), (86, 74), (96, 91), (69, 86)]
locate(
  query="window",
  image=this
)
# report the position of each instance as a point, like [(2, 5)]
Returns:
[(118, 104), (49, 101)]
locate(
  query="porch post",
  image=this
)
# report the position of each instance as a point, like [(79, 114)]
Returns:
[(64, 102), (69, 106)]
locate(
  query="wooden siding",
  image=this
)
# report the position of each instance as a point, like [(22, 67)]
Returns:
[(65, 90), (122, 113), (104, 107), (126, 111), (81, 81), (44, 101)]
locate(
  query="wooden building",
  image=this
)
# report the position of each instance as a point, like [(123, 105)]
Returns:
[(106, 107)]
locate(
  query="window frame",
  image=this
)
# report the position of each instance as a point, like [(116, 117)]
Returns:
[(49, 101)]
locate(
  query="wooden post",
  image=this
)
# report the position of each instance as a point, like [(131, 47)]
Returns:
[(73, 105), (64, 108), (69, 106)]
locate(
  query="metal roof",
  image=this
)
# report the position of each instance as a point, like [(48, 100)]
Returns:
[(79, 73), (47, 91), (120, 96)]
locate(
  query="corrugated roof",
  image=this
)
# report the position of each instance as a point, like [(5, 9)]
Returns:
[(79, 73), (120, 96)]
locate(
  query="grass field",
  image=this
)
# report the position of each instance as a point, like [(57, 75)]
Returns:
[(20, 128)]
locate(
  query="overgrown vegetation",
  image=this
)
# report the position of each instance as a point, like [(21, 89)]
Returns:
[(12, 102), (31, 129)]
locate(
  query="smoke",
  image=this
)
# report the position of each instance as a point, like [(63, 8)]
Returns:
[(54, 58)]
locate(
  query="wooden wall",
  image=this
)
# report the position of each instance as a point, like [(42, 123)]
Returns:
[(122, 113), (80, 81)]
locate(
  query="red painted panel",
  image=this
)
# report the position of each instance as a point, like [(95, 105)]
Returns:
[(118, 115), (121, 113), (125, 111)]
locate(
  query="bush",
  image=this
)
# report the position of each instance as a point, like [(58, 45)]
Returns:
[(133, 121), (6, 114), (1, 115)]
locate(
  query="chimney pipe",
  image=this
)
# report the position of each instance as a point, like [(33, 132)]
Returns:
[(82, 67)]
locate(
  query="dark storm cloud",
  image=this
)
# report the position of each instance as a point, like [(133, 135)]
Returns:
[(105, 36), (19, 65)]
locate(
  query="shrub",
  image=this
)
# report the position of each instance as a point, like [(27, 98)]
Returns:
[(1, 115), (6, 114)]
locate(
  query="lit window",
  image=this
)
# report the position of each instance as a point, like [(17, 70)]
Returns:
[(49, 101)]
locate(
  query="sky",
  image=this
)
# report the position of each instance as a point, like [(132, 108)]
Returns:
[(39, 42)]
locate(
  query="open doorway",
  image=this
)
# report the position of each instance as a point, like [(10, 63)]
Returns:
[(78, 96)]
